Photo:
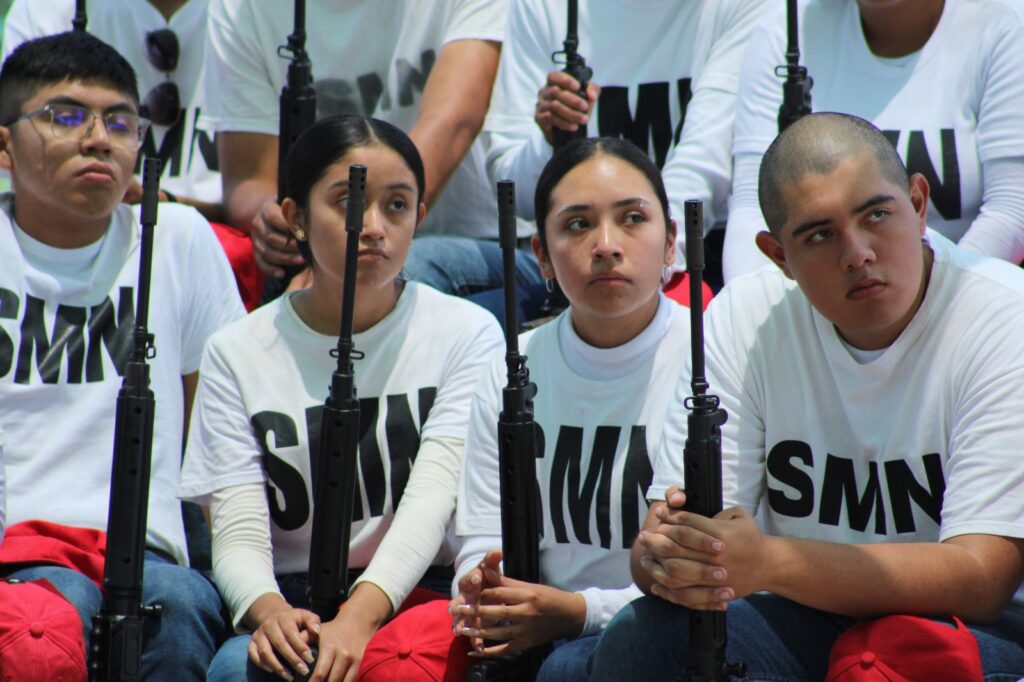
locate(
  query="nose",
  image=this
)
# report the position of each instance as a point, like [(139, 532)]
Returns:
[(373, 224), (607, 244), (96, 136), (857, 250)]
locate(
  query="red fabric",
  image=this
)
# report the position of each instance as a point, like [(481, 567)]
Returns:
[(416, 646), (43, 542), (40, 635), (905, 649), (678, 289), (238, 247)]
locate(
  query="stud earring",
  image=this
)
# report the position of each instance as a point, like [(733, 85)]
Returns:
[(300, 234)]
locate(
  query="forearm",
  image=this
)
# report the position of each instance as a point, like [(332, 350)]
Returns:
[(214, 213), (420, 523), (998, 230), (442, 138), (248, 174), (243, 567), (869, 580)]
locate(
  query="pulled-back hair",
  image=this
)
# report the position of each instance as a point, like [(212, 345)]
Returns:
[(71, 56), (817, 144), (328, 141), (578, 151)]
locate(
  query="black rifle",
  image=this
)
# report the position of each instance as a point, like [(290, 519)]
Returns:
[(298, 113), (517, 457), (702, 461), (796, 91), (334, 473), (117, 639), (576, 67), (79, 20)]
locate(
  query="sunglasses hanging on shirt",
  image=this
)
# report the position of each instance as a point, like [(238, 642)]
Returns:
[(162, 104)]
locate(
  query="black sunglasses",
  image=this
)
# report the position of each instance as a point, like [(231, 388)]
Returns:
[(162, 104)]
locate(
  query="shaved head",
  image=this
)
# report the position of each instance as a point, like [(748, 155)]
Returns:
[(817, 144)]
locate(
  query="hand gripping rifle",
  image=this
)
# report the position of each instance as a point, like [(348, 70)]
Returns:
[(79, 20), (117, 639), (796, 91), (517, 457), (576, 67), (702, 460), (334, 476)]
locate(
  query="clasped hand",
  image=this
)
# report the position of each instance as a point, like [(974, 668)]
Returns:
[(703, 563), (518, 615)]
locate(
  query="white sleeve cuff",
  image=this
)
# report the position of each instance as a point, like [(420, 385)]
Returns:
[(602, 605)]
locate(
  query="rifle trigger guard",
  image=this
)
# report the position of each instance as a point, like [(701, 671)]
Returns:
[(285, 51), (555, 55)]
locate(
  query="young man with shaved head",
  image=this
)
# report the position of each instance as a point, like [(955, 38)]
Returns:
[(874, 383)]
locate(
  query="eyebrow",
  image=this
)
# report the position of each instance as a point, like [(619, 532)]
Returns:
[(119, 107), (860, 208), (573, 208), (393, 186)]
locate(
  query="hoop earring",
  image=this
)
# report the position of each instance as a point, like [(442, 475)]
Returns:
[(549, 284), (666, 275)]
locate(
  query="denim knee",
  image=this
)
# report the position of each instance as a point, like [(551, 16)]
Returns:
[(231, 664)]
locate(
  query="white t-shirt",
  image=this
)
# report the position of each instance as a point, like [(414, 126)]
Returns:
[(919, 444), (950, 108), (600, 412), (66, 318), (648, 87), (261, 395), (369, 57), (189, 154)]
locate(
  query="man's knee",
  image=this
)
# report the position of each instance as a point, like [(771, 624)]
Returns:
[(181, 593), (82, 592)]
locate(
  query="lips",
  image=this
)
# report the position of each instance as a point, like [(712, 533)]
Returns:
[(373, 253), (96, 171), (865, 289), (609, 278)]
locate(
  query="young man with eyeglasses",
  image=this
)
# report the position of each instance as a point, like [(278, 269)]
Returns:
[(69, 263), (165, 41)]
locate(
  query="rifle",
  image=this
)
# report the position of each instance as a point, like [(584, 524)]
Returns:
[(576, 67), (334, 473), (796, 91), (298, 113), (517, 457), (702, 460), (117, 639), (79, 20)]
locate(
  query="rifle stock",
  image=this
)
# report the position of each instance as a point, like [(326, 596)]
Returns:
[(334, 476), (117, 638), (576, 67), (702, 461), (796, 91)]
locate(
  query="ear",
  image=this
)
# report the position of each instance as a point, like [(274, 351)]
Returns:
[(670, 242), (772, 247), (919, 192), (295, 218), (5, 143), (421, 213), (547, 270)]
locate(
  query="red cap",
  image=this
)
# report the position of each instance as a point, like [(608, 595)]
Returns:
[(905, 649), (418, 645), (40, 635)]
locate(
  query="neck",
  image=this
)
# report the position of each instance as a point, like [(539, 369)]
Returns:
[(601, 332), (168, 7), (320, 305), (899, 29), (53, 225)]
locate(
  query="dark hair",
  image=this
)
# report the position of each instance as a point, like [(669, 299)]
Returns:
[(327, 141), (576, 152), (70, 56), (817, 144)]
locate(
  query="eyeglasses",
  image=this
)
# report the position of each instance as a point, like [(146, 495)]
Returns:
[(162, 104), (126, 129)]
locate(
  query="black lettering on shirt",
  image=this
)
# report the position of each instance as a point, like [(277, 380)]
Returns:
[(945, 191), (841, 484), (593, 491), (903, 487), (782, 468), (652, 123), (282, 477), (637, 475)]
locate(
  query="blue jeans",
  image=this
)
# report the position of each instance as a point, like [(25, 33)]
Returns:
[(778, 639), (473, 268), (568, 662), (180, 643)]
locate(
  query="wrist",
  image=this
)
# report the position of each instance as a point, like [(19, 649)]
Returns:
[(575, 610), (773, 564), (265, 606), (368, 604)]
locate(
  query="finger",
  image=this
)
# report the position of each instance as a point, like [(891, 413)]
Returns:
[(662, 546), (265, 267), (676, 573), (562, 80), (593, 91), (675, 497), (268, 661), (299, 644), (495, 633), (702, 598), (281, 637), (324, 663), (688, 538)]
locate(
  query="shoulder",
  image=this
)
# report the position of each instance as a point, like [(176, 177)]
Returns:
[(255, 333), (429, 305), (977, 280)]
